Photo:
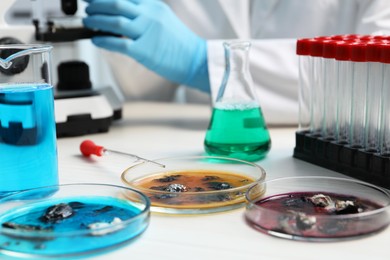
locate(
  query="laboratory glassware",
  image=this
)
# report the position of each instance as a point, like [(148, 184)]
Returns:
[(344, 89), (330, 90), (77, 220), (385, 119), (358, 95), (27, 127), (374, 88), (305, 81), (194, 184), (317, 88), (317, 208), (361, 145), (237, 127)]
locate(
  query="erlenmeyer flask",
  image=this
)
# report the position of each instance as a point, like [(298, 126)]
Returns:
[(28, 151), (237, 128)]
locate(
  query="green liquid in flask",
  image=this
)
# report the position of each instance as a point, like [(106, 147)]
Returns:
[(238, 131)]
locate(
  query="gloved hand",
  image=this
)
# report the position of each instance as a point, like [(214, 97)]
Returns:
[(152, 35)]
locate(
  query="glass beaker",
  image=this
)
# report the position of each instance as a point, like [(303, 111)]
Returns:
[(237, 127), (28, 151)]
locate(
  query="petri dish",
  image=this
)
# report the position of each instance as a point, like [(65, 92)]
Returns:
[(317, 208), (194, 184), (71, 220)]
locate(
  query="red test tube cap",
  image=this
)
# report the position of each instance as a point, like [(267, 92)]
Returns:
[(303, 46), (316, 47), (329, 49), (385, 53), (358, 52), (343, 51), (373, 52)]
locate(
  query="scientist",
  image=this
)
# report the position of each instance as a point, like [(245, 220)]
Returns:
[(179, 42)]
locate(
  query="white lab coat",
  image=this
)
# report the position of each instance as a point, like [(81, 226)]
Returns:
[(273, 27)]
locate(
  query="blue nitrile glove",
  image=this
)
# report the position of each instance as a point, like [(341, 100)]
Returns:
[(152, 35)]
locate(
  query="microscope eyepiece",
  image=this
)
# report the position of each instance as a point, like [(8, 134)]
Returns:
[(69, 7)]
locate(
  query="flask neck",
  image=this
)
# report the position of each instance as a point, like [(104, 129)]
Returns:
[(236, 58), (237, 84)]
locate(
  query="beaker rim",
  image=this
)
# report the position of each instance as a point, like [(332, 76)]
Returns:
[(23, 46), (23, 50)]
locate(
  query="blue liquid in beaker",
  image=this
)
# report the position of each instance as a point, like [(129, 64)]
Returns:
[(27, 137)]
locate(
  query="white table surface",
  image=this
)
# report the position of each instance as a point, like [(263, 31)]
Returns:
[(155, 130)]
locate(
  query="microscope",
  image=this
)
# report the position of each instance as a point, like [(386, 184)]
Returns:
[(80, 106)]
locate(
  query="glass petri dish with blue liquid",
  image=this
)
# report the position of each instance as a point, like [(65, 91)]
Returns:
[(71, 220)]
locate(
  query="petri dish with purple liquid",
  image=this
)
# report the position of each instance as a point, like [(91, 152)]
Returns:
[(317, 208)]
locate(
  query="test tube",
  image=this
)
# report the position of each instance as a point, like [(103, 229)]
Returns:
[(330, 90), (344, 90), (373, 104), (359, 93), (385, 104), (317, 93), (305, 79)]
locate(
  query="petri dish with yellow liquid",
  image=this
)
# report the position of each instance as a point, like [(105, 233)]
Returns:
[(194, 184)]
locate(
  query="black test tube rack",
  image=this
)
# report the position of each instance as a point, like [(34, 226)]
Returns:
[(313, 146), (357, 163)]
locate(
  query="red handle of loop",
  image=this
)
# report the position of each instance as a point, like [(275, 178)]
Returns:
[(88, 147)]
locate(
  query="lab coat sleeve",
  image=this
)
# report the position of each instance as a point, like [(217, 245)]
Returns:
[(274, 69), (137, 82)]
